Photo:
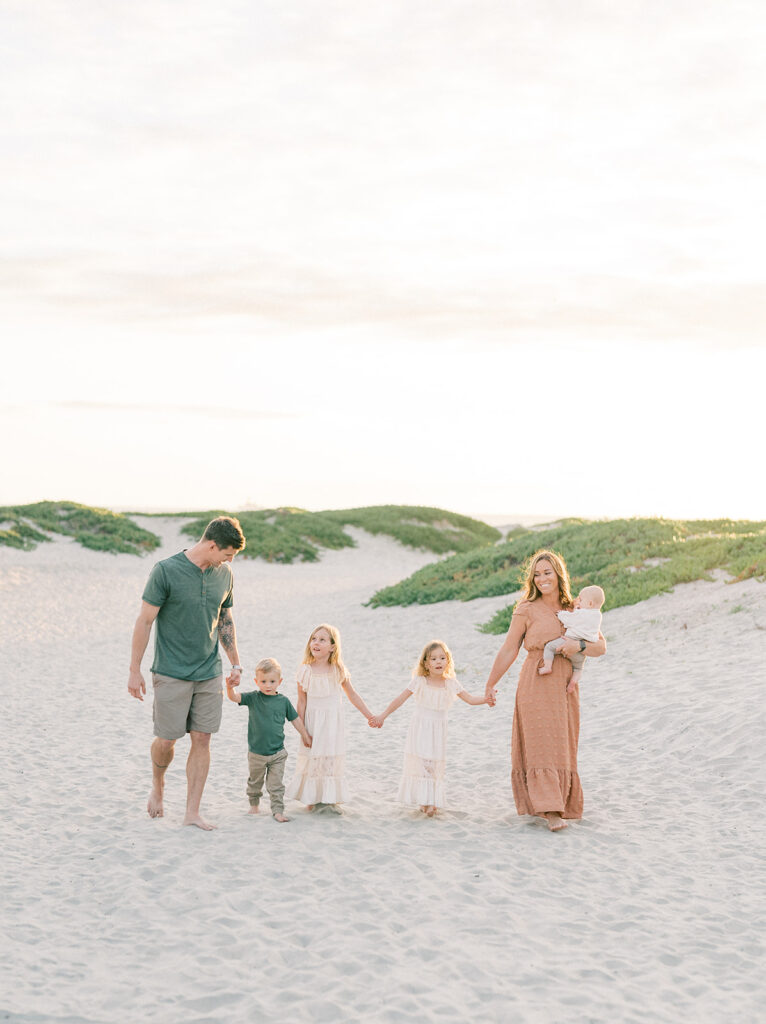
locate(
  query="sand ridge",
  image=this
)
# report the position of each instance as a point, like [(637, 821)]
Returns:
[(650, 909)]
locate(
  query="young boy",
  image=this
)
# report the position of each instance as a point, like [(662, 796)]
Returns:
[(266, 754), (581, 624)]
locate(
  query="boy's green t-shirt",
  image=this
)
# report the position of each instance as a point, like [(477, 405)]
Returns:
[(190, 603), (266, 722)]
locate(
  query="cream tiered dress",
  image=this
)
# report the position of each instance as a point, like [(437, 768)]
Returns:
[(318, 775), (426, 746)]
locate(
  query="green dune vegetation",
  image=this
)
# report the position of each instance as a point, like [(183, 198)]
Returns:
[(287, 534), (632, 559), (26, 526)]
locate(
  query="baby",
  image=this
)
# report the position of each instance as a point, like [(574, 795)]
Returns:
[(266, 753), (582, 624)]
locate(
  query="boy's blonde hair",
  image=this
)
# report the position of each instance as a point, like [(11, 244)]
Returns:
[(593, 594), (335, 655), (269, 665), (530, 591), (422, 670)]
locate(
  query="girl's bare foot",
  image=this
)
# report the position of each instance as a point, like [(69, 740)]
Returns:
[(253, 809), (278, 816), (572, 683), (545, 670), (555, 821)]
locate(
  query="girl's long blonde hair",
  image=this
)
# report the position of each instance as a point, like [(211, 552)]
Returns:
[(335, 655), (531, 592), (421, 669)]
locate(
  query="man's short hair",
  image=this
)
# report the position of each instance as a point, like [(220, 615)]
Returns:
[(226, 532)]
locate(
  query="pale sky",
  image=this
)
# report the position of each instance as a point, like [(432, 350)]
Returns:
[(501, 258)]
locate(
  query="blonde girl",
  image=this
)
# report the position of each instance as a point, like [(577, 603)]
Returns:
[(435, 688), (322, 678)]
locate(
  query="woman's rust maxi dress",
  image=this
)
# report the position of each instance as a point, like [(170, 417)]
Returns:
[(546, 723)]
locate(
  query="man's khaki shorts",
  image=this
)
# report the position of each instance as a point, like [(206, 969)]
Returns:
[(181, 706)]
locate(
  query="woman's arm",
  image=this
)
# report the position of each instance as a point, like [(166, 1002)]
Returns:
[(507, 654), (355, 699), (397, 702), (593, 648)]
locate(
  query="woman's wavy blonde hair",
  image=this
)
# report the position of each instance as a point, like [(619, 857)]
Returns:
[(335, 655), (531, 591), (420, 668)]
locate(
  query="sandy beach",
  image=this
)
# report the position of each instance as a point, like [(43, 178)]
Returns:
[(651, 909)]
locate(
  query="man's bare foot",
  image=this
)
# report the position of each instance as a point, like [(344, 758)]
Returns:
[(199, 821), (278, 816), (253, 809), (309, 807), (154, 806), (545, 670), (554, 821)]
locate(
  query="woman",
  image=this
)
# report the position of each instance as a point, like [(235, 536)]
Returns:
[(546, 720)]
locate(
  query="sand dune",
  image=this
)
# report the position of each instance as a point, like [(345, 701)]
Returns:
[(649, 910)]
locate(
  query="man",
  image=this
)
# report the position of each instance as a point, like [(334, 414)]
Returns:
[(190, 597)]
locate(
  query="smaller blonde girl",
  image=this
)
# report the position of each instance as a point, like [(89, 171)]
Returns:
[(435, 688), (322, 679)]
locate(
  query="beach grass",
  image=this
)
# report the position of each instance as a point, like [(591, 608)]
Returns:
[(26, 526), (632, 559), (287, 534)]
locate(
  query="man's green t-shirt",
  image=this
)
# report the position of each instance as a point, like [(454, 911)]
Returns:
[(190, 603), (266, 722)]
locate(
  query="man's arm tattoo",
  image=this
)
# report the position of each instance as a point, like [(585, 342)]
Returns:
[(226, 632)]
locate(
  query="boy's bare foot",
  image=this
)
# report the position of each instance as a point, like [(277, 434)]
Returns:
[(278, 816), (554, 821), (154, 806), (253, 809), (545, 670), (199, 821)]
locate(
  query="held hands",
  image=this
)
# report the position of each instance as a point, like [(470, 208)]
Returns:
[(490, 698), (234, 679), (376, 721)]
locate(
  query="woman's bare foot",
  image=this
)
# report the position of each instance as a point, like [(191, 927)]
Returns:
[(278, 816), (554, 821), (154, 806), (199, 821), (545, 670), (254, 809)]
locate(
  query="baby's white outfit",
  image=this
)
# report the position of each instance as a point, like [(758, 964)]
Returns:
[(319, 768), (426, 745)]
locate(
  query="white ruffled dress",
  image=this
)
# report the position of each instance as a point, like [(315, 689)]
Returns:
[(318, 777), (426, 746)]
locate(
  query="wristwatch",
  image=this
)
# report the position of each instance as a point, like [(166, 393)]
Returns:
[(238, 668), (582, 646)]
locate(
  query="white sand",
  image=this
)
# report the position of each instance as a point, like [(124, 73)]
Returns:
[(651, 909)]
